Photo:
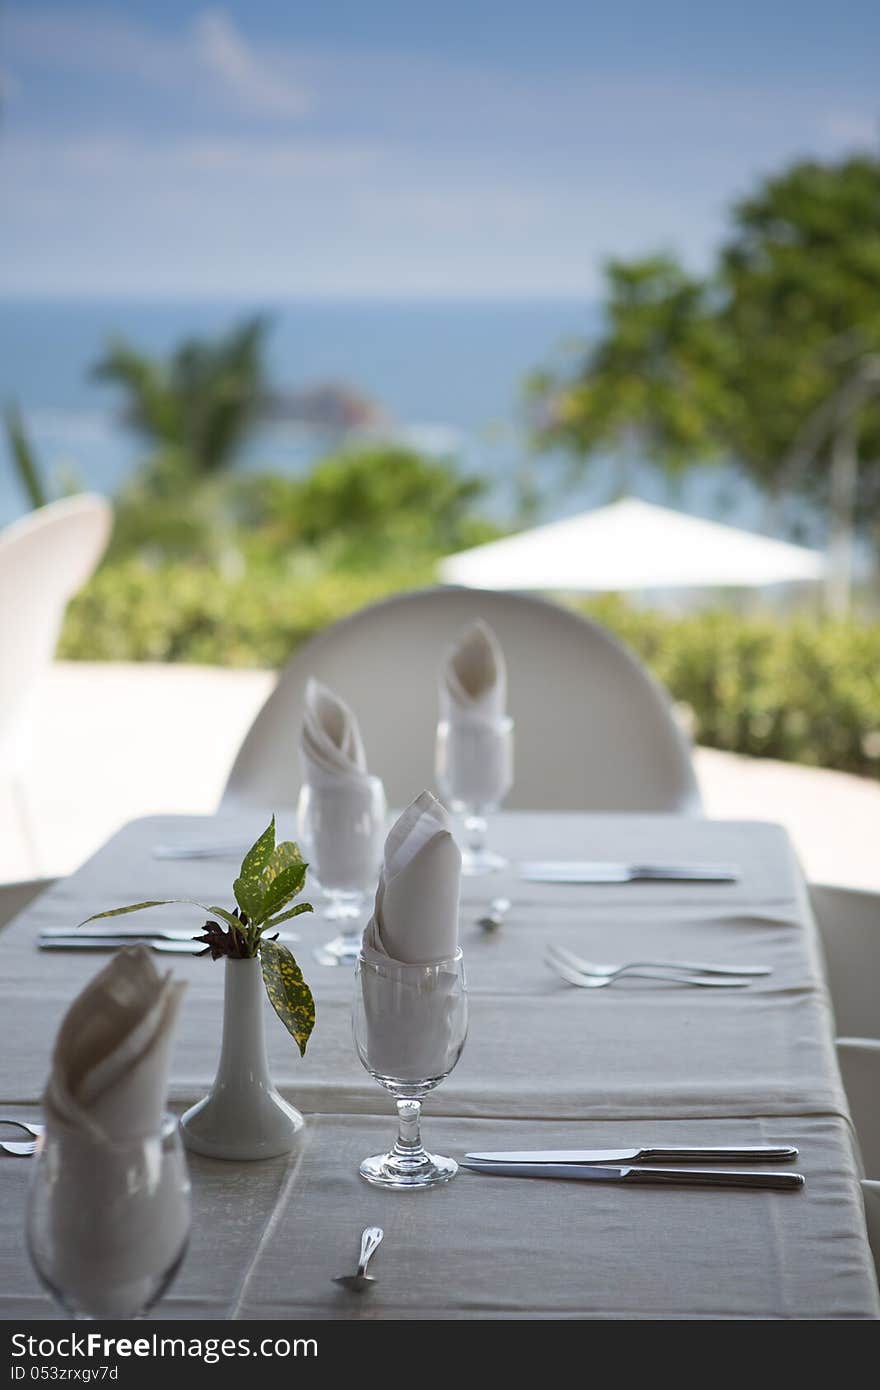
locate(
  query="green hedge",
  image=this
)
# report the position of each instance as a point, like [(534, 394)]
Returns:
[(795, 689)]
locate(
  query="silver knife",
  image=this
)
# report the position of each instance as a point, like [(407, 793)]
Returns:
[(661, 1177), (129, 932), (111, 943), (668, 1153), (201, 851), (574, 871)]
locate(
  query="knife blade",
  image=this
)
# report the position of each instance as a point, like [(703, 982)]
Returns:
[(129, 932), (112, 943), (573, 871), (658, 1177), (668, 1153)]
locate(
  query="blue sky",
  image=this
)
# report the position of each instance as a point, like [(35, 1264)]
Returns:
[(481, 149)]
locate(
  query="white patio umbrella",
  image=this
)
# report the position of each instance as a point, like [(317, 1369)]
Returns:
[(632, 545)]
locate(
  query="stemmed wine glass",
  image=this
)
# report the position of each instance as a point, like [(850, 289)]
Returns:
[(342, 832), (474, 768), (108, 1221), (410, 1025)]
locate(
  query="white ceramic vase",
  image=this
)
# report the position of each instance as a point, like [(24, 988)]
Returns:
[(243, 1116)]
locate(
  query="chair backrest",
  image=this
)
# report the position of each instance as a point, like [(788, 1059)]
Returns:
[(849, 922), (871, 1198), (44, 558), (859, 1060), (593, 729)]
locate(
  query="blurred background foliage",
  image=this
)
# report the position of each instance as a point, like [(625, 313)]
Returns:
[(212, 563)]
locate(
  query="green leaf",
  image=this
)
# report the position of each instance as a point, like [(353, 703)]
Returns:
[(282, 888), (281, 858), (249, 894), (285, 916), (259, 854), (164, 902), (250, 887), (135, 907), (288, 992), (228, 917)]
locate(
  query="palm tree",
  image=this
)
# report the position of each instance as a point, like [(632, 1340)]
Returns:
[(196, 407), (23, 457)]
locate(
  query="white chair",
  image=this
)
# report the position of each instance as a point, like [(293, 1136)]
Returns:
[(593, 729), (849, 923), (14, 897), (871, 1198), (859, 1060), (44, 558)]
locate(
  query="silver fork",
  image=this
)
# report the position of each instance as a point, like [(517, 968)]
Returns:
[(16, 1149), (35, 1130), (575, 977), (587, 967)]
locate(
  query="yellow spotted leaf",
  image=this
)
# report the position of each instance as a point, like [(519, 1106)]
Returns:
[(288, 992)]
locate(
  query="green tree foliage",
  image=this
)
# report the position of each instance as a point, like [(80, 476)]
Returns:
[(737, 363), (800, 277), (382, 505), (194, 409), (24, 460), (650, 385)]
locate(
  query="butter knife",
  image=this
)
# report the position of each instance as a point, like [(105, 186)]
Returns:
[(129, 932), (668, 1153), (112, 943), (574, 871), (660, 1177)]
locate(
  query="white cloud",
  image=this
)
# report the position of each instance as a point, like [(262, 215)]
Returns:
[(248, 75), (210, 58)]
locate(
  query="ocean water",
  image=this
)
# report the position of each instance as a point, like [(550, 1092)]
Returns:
[(448, 375)]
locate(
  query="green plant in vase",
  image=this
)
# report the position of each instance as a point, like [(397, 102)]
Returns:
[(244, 1116)]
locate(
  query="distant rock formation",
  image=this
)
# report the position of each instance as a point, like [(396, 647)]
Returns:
[(330, 406)]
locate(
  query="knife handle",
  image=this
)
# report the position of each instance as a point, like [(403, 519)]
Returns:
[(744, 1153), (713, 1177)]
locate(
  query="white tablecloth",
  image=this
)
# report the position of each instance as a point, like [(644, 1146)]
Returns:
[(544, 1064)]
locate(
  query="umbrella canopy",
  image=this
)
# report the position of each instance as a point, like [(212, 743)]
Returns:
[(632, 545)]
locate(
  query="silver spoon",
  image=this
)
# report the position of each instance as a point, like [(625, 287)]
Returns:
[(494, 918), (370, 1242)]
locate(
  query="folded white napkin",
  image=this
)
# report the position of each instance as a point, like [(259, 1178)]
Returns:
[(330, 742), (410, 1013), (110, 1065), (415, 919), (118, 1208), (346, 820), (475, 756), (474, 676)]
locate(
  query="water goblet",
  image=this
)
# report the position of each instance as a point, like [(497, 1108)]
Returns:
[(410, 1025), (108, 1221), (342, 833), (474, 768)]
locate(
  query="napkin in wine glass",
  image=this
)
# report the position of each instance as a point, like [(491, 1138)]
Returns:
[(120, 1202), (331, 746), (410, 1012), (473, 680), (415, 919), (109, 1073)]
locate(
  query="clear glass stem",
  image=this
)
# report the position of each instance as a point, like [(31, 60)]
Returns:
[(476, 829), (409, 1147)]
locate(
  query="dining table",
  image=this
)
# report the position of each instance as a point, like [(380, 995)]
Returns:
[(545, 1066)]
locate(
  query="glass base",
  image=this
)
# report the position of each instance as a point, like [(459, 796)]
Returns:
[(424, 1170), (342, 950), (474, 862)]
